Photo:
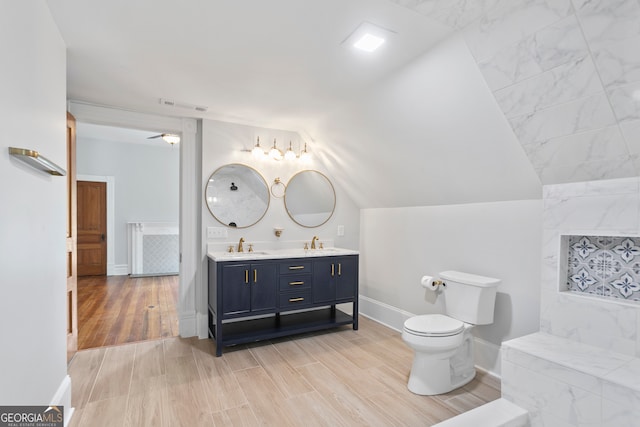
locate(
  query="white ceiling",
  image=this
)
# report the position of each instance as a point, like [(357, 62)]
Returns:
[(111, 134), (414, 124), (276, 63)]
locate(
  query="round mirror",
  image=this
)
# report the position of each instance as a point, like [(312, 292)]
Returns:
[(237, 195), (310, 198)]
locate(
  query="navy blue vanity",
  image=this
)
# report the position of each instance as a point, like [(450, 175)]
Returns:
[(271, 294)]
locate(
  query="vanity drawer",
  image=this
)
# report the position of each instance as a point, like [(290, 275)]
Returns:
[(294, 267), (295, 282), (294, 300)]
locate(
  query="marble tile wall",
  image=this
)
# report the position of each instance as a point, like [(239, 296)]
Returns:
[(600, 208), (566, 74)]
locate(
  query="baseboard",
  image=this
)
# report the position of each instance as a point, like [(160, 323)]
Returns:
[(117, 270), (383, 313), (203, 325), (486, 354), (187, 324), (62, 397)]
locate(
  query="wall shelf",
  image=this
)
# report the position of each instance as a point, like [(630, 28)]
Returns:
[(37, 161)]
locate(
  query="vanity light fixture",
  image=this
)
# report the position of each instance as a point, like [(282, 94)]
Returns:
[(305, 156), (290, 155), (257, 151), (275, 153)]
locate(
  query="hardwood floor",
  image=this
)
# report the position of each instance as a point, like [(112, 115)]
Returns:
[(336, 378), (120, 309)]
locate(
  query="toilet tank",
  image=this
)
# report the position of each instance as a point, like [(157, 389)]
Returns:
[(469, 297)]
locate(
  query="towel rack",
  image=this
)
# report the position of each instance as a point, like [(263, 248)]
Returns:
[(37, 161)]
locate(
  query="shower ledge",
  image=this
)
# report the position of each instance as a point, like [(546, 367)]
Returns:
[(540, 370), (612, 367)]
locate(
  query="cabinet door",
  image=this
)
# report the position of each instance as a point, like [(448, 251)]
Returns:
[(324, 283), (236, 289), (264, 286), (347, 274)]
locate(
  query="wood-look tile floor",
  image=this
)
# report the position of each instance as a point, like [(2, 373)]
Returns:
[(121, 309), (334, 378)]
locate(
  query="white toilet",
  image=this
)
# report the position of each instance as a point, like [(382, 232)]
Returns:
[(443, 345)]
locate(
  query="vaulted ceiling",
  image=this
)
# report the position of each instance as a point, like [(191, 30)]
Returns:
[(468, 101), (566, 74)]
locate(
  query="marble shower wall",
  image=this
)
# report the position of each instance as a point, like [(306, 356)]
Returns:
[(597, 208), (566, 74)]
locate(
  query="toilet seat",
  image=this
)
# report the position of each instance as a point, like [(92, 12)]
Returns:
[(433, 325)]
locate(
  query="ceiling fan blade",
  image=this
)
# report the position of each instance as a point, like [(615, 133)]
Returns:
[(156, 136)]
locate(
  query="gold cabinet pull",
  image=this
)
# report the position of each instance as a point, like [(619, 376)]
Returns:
[(295, 283), (333, 269), (296, 299), (255, 275), (296, 267), (339, 269), (246, 276)]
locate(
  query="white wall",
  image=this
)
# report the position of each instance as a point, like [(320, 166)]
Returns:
[(33, 213), (429, 134), (500, 239), (223, 143), (147, 180)]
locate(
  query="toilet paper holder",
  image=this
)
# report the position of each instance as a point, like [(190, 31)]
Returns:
[(430, 283)]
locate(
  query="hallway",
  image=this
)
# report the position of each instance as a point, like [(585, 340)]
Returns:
[(120, 309)]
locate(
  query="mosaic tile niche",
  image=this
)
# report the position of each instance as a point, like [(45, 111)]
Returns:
[(603, 266)]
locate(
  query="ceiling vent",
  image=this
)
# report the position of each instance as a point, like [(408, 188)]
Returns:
[(184, 105)]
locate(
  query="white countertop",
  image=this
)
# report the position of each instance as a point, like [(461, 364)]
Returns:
[(278, 254)]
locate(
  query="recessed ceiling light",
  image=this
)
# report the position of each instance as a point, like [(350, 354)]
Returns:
[(368, 42), (368, 37)]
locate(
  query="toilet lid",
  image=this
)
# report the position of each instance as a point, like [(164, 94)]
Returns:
[(433, 325)]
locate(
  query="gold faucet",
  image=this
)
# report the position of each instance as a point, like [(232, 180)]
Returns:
[(313, 242), (240, 248)]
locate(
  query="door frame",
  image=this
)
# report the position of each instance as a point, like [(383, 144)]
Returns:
[(112, 269), (192, 296)]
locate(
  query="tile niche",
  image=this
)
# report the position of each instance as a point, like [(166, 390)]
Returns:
[(601, 266)]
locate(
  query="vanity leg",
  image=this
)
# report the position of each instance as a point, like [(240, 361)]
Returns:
[(277, 319), (355, 314), (333, 310), (218, 337)]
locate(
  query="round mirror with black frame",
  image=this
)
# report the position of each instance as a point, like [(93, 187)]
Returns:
[(310, 198), (237, 195)]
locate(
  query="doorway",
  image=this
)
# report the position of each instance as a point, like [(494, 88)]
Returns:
[(192, 291), (121, 167), (92, 228)]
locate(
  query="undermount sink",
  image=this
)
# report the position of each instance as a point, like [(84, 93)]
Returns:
[(239, 254)]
